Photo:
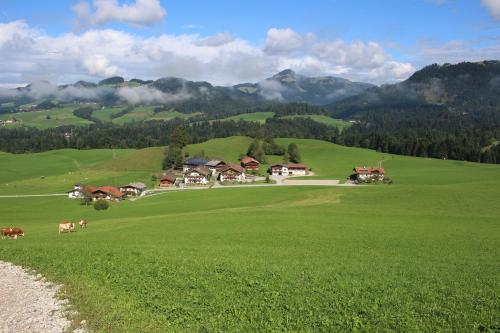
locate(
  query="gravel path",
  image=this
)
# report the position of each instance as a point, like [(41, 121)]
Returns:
[(29, 304)]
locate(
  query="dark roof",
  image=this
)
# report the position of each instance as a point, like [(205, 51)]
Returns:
[(139, 186), (202, 170), (170, 178), (248, 159), (234, 167), (214, 163), (196, 161)]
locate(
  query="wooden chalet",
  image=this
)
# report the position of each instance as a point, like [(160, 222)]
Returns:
[(168, 181), (199, 175), (133, 189), (232, 173), (250, 163), (364, 174), (215, 165), (110, 193)]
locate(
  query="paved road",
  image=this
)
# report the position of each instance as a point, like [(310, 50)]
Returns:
[(33, 195)]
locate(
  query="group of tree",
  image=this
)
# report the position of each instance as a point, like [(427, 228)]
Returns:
[(259, 148), (173, 152)]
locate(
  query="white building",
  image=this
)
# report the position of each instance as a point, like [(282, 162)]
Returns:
[(290, 169), (199, 175), (232, 173)]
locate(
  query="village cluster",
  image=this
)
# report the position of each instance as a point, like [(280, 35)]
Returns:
[(201, 171), (195, 171)]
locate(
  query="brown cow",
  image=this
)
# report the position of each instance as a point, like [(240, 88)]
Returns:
[(83, 224), (11, 232)]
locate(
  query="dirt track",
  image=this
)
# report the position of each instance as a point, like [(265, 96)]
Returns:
[(30, 304)]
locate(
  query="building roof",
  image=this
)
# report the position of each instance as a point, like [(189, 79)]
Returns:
[(195, 161), (111, 190), (290, 166), (214, 163), (248, 159), (202, 170), (169, 178), (90, 188), (234, 167), (139, 186), (369, 170), (297, 166)]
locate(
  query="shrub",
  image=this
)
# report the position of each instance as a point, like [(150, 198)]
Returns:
[(101, 205)]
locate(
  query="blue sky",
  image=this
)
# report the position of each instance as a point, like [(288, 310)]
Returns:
[(406, 32)]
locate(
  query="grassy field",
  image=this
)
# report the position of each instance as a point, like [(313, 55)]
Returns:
[(420, 255), (46, 119), (142, 113), (259, 117), (341, 124)]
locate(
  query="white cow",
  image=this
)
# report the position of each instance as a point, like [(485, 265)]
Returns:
[(83, 223), (66, 227)]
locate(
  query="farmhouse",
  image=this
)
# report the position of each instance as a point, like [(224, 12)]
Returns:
[(134, 189), (110, 193), (76, 192), (249, 163), (215, 165), (363, 174), (291, 169), (232, 173), (198, 175), (168, 181), (193, 163), (95, 193)]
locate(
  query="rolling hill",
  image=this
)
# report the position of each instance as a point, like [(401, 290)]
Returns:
[(367, 258)]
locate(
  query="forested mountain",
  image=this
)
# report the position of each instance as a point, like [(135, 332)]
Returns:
[(442, 111), (288, 86), (464, 87), (187, 96)]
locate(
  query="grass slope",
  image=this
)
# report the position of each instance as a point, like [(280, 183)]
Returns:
[(420, 255), (259, 117), (340, 124), (57, 117)]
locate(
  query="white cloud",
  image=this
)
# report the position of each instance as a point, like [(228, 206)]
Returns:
[(285, 41), (99, 65), (146, 95), (139, 13), (221, 59), (493, 7)]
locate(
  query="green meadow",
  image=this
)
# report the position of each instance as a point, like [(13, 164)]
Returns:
[(419, 255), (46, 119), (341, 124), (259, 117)]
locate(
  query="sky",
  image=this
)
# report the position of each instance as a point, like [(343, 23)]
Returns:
[(229, 42)]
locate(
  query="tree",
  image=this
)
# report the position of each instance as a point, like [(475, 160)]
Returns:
[(293, 153), (173, 158), (255, 150), (179, 137), (101, 205)]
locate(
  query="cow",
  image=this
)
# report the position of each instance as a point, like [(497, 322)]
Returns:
[(66, 227), (83, 224), (11, 232)]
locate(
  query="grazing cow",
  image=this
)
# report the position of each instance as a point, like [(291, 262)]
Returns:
[(83, 224), (66, 227), (11, 232)]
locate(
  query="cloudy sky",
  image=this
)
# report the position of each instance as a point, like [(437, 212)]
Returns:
[(227, 42)]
